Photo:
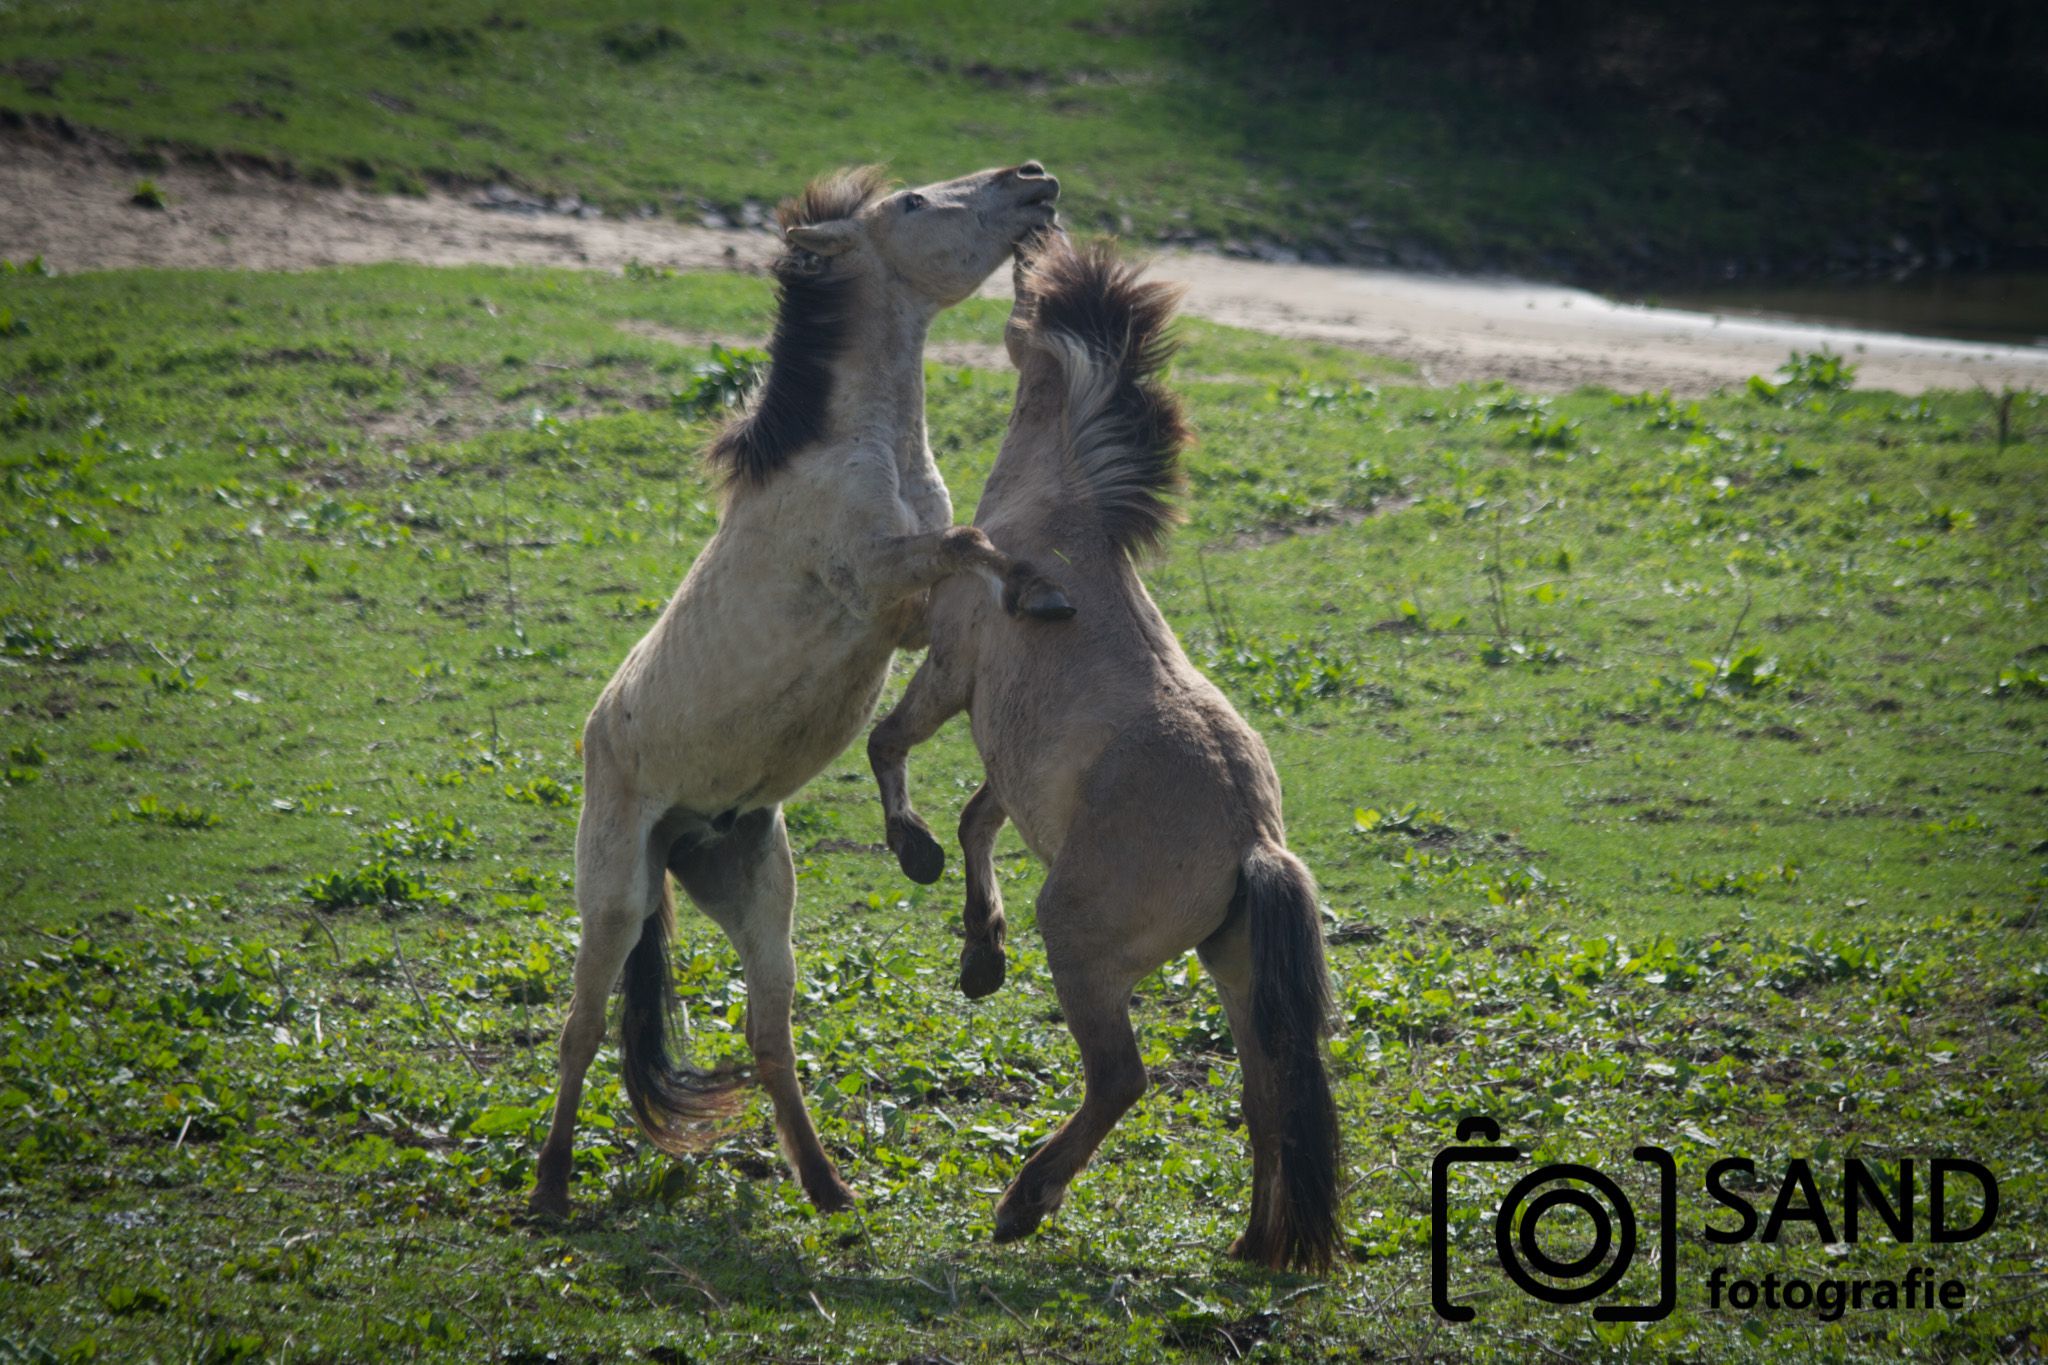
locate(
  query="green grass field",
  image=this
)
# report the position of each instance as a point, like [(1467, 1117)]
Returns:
[(1163, 116), (1673, 773)]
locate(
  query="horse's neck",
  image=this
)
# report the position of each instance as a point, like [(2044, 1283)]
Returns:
[(878, 382)]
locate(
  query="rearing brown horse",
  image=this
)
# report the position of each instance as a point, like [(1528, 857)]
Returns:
[(1153, 804)]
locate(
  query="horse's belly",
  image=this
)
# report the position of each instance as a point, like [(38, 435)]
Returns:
[(801, 740), (747, 718)]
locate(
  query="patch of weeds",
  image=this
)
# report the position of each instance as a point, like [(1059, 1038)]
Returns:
[(147, 195), (1507, 405), (1731, 883), (122, 748), (152, 811), (34, 265), (1409, 618), (1413, 819), (24, 763), (1819, 371), (1287, 675), (1541, 433), (1784, 467), (175, 679), (525, 649), (22, 638), (2019, 681), (542, 791), (434, 837), (639, 272), (1746, 673), (12, 325), (1969, 822), (446, 41), (529, 978), (1503, 654), (1804, 378), (1665, 413), (1946, 517), (123, 1299), (810, 818), (641, 39), (640, 608), (1353, 398), (720, 383), (374, 883), (1369, 481)]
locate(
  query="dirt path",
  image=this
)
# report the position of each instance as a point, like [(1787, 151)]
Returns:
[(74, 212)]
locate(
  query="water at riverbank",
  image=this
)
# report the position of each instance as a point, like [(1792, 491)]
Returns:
[(2009, 306)]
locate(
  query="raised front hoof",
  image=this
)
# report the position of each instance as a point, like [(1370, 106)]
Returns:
[(917, 852), (1040, 599), (982, 966), (1050, 604)]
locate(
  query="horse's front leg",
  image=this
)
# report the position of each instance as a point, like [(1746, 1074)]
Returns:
[(938, 693), (895, 567), (982, 964)]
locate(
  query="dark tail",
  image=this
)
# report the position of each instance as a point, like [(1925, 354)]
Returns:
[(666, 1094), (1291, 1015)]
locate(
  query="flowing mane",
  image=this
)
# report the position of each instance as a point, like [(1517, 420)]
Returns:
[(1125, 429), (812, 311)]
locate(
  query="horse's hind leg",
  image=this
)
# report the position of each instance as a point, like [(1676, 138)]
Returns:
[(746, 884), (616, 889), (1226, 956), (1095, 996), (982, 963)]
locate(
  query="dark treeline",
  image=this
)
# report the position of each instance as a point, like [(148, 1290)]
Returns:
[(1738, 66)]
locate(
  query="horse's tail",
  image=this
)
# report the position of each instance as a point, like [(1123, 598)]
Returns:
[(665, 1093), (1295, 1219)]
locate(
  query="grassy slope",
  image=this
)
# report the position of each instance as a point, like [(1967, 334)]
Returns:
[(256, 560), (1149, 122)]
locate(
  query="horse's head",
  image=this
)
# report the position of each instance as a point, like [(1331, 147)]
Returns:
[(937, 242)]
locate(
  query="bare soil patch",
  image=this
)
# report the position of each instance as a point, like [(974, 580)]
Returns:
[(73, 207)]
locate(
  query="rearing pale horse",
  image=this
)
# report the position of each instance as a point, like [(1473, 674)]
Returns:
[(769, 658)]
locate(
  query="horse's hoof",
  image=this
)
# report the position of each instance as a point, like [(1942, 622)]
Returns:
[(1013, 1222), (831, 1196), (1028, 593), (1045, 603), (548, 1203), (982, 966), (917, 852)]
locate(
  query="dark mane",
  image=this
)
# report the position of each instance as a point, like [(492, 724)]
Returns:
[(1126, 429), (813, 309), (841, 194)]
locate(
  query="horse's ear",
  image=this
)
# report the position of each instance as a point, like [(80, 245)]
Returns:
[(822, 239)]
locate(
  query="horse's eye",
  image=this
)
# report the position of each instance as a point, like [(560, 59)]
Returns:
[(912, 202)]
